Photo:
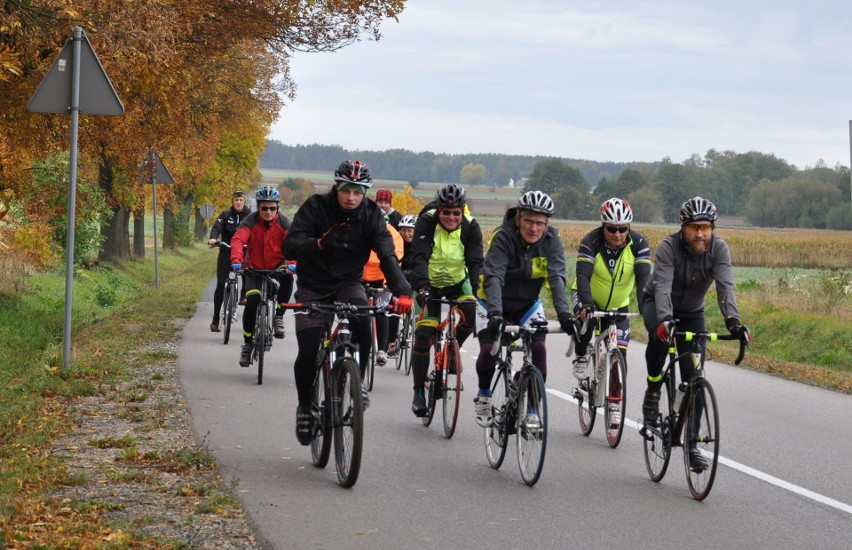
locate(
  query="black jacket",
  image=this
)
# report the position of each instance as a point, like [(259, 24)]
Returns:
[(227, 223)]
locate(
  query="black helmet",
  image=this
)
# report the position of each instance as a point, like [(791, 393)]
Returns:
[(267, 193), (697, 209), (353, 171), (452, 195), (536, 201)]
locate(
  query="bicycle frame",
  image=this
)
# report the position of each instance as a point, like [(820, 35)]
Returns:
[(439, 385)]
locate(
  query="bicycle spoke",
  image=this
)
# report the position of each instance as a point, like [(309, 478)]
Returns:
[(657, 441), (701, 426), (615, 399), (348, 430), (532, 426), (495, 435)]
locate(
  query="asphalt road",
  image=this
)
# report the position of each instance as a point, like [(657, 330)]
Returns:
[(784, 481)]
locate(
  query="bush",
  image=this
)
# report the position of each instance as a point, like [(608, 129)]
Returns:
[(839, 216)]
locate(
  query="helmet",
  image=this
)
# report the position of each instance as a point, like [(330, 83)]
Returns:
[(697, 209), (536, 201), (408, 221), (353, 171), (452, 195), (616, 211), (267, 193)]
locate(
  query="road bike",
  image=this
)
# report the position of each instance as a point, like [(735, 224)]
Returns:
[(231, 298), (688, 417), (444, 379), (380, 297), (518, 402), (403, 342), (607, 383), (264, 329), (337, 406)]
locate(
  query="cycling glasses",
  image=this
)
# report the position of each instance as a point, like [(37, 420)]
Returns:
[(448, 213), (704, 228), (268, 208), (616, 229)]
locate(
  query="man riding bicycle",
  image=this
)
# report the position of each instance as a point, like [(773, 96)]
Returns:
[(611, 260), (685, 264), (263, 233), (331, 237), (223, 230), (446, 261), (524, 254)]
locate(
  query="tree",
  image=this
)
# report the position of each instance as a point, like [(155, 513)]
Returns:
[(791, 202), (407, 203), (627, 182), (672, 185), (553, 175), (647, 205), (473, 175)]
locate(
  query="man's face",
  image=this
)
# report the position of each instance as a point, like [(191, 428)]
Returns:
[(384, 204), (407, 233), (350, 198), (239, 203), (450, 218), (531, 226), (697, 236), (615, 235), (267, 210)]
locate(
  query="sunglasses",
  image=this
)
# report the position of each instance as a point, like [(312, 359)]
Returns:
[(614, 229), (268, 208), (454, 213), (700, 227)]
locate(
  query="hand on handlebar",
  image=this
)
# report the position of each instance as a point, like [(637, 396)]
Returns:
[(236, 267), (402, 304), (664, 330)]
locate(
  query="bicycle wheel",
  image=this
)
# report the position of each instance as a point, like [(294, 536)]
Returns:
[(701, 427), (432, 384), (230, 304), (658, 440), (614, 405), (260, 338), (349, 421), (402, 342), (496, 435), (370, 371), (586, 408), (532, 425), (452, 389), (321, 409)]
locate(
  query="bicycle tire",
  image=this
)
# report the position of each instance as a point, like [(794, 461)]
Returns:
[(587, 411), (370, 371), (532, 436), (402, 342), (230, 309), (349, 421), (260, 338), (452, 388), (658, 440), (616, 396), (431, 394), (496, 435), (701, 406), (321, 409)]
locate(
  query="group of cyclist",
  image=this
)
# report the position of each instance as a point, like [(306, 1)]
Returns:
[(335, 236)]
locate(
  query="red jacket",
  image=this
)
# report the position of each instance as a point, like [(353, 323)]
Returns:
[(265, 242)]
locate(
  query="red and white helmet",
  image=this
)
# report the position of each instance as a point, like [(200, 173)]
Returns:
[(616, 211)]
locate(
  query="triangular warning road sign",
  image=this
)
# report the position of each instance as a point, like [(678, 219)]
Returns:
[(159, 170), (97, 95)]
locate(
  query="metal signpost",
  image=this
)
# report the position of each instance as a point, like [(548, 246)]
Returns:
[(154, 172), (76, 83)]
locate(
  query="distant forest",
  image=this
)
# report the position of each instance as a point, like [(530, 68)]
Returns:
[(404, 165)]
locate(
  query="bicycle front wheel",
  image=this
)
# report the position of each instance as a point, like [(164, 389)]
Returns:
[(587, 411), (230, 303), (658, 439), (701, 427), (349, 421), (260, 338), (452, 388), (496, 434), (370, 372), (615, 399), (321, 409), (532, 425), (432, 389), (402, 343)]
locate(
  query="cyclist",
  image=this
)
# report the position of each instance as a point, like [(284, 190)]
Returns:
[(446, 261), (685, 264), (406, 231), (331, 238), (263, 233), (374, 278), (384, 198), (524, 254), (611, 260), (223, 230)]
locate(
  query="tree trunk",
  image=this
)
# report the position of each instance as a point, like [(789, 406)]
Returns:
[(139, 232), (201, 229), (168, 227), (116, 232)]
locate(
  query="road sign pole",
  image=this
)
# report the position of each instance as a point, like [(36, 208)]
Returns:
[(72, 197), (156, 257)]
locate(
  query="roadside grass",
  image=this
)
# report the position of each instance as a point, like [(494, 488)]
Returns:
[(118, 320)]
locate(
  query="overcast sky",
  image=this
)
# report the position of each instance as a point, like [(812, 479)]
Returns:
[(621, 80)]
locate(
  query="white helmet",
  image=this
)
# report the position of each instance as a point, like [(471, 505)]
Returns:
[(616, 211), (408, 221), (536, 201)]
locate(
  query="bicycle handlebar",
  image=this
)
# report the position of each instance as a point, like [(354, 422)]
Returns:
[(690, 336), (530, 329), (336, 307)]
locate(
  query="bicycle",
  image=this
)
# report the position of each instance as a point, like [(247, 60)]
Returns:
[(688, 417), (511, 392), (404, 342), (375, 296), (444, 379), (264, 329), (607, 383), (337, 406), (231, 298)]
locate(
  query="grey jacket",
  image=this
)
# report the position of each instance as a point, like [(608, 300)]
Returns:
[(681, 278)]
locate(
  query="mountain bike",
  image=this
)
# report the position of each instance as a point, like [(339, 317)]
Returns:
[(519, 402), (337, 405), (607, 383), (444, 379), (231, 298), (688, 417), (264, 330)]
